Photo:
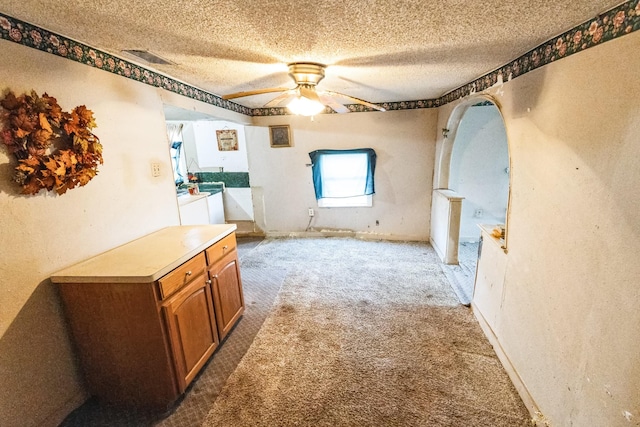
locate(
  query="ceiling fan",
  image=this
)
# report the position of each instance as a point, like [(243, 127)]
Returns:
[(305, 99)]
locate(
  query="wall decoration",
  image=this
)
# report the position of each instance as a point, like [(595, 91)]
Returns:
[(227, 139), (55, 150), (280, 136)]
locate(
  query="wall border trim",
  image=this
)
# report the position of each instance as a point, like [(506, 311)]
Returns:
[(616, 22), (30, 35)]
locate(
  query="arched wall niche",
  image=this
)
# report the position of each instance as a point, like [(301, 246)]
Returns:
[(443, 162)]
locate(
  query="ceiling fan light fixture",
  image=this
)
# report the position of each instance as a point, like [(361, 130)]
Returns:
[(303, 106), (305, 99)]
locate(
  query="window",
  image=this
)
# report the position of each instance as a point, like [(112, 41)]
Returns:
[(343, 178), (175, 162), (174, 132)]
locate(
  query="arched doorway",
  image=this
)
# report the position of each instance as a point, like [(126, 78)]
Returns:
[(474, 168)]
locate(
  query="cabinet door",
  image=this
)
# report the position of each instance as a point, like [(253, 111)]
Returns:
[(216, 208), (227, 293), (195, 212), (192, 331)]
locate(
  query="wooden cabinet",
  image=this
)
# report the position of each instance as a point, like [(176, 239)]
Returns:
[(192, 330), (121, 342), (227, 293), (146, 317), (224, 278)]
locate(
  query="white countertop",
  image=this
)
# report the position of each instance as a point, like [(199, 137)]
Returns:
[(145, 259)]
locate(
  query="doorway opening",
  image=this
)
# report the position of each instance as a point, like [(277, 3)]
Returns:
[(211, 156), (477, 169)]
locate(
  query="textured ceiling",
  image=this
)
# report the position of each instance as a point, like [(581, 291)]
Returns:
[(377, 50)]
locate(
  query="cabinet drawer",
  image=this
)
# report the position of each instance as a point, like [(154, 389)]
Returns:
[(182, 275), (220, 249)]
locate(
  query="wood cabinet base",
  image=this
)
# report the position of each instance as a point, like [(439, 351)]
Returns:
[(141, 343)]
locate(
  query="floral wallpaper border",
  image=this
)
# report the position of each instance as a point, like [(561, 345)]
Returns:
[(38, 38), (616, 22)]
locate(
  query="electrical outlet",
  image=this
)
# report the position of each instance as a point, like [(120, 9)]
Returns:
[(155, 169), (311, 212), (478, 213)]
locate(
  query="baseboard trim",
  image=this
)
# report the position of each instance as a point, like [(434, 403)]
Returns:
[(347, 233), (247, 228), (437, 249), (537, 417)]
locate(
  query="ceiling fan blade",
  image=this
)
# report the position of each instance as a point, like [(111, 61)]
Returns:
[(308, 93), (254, 92), (281, 98), (335, 106), (353, 99)]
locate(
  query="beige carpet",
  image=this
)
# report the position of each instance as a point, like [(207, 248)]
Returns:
[(365, 334)]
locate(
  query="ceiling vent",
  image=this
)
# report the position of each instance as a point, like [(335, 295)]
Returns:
[(148, 57)]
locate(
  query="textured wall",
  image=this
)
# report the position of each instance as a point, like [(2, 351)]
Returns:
[(41, 234), (404, 142), (568, 316)]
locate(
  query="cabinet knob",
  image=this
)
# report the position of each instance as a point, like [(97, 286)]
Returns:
[(225, 247), (208, 282), (188, 273)]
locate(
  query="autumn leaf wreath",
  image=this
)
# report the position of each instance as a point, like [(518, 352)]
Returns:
[(55, 150)]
